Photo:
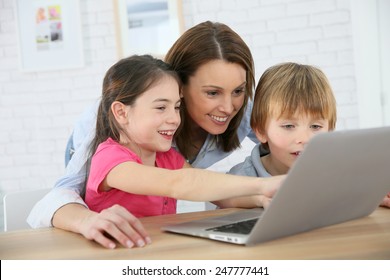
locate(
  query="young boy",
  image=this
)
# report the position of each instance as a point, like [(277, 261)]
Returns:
[(293, 102)]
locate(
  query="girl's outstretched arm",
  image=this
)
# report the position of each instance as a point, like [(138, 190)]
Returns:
[(187, 183)]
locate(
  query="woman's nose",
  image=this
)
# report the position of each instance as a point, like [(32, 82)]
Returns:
[(226, 105)]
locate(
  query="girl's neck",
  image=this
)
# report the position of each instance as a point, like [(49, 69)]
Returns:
[(147, 157)]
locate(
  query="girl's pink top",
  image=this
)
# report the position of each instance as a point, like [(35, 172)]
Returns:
[(108, 155)]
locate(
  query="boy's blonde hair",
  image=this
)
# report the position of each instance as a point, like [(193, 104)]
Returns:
[(290, 88)]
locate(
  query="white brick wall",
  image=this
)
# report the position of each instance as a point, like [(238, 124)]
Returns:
[(38, 109)]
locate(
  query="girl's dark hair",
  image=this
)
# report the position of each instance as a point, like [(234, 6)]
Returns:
[(125, 81), (200, 44)]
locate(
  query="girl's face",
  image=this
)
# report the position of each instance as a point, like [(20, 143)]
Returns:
[(286, 138), (214, 95), (154, 118)]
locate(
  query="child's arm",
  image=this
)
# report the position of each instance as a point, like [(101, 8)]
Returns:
[(187, 183), (244, 202), (241, 202)]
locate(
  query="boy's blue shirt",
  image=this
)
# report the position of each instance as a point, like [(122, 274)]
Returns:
[(252, 165)]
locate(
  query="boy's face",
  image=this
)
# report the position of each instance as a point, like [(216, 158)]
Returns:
[(286, 138)]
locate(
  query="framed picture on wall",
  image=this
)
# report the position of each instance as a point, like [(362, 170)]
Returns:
[(49, 34), (147, 26)]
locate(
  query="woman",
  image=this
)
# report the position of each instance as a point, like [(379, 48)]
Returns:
[(217, 72)]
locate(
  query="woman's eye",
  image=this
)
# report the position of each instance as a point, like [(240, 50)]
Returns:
[(212, 93), (239, 91), (161, 108)]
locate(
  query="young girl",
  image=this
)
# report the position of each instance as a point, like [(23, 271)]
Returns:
[(293, 102), (138, 115)]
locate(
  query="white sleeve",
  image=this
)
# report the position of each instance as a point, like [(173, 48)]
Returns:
[(69, 187), (42, 213)]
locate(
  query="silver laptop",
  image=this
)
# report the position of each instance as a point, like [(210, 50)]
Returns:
[(340, 176)]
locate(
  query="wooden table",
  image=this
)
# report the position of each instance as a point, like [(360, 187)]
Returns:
[(365, 238)]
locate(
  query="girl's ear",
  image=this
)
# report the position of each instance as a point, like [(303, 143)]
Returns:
[(119, 110), (260, 136)]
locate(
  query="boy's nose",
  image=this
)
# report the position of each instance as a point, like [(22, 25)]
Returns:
[(304, 137)]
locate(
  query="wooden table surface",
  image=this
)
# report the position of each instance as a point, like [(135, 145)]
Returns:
[(365, 238)]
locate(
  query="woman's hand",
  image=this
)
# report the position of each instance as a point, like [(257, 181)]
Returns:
[(114, 223), (386, 201)]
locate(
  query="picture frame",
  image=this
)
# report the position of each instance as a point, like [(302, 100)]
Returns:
[(147, 26), (49, 34)]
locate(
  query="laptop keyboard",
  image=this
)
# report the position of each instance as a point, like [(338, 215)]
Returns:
[(243, 227)]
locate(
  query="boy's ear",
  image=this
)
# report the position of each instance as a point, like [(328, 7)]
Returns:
[(260, 136), (119, 110)]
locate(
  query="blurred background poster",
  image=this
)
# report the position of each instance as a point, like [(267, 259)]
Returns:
[(49, 34), (147, 27)]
